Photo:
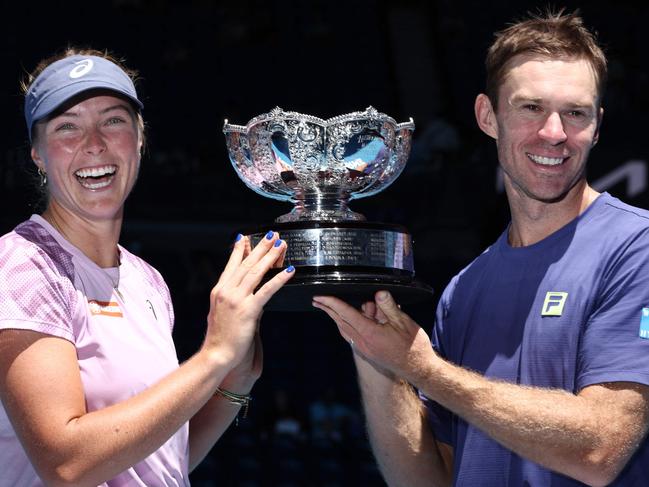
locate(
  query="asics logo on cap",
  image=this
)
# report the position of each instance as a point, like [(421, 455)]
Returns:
[(81, 68)]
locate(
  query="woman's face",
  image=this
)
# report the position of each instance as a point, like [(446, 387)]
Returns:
[(91, 154)]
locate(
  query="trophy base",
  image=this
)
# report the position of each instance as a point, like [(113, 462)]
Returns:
[(354, 289), (348, 260)]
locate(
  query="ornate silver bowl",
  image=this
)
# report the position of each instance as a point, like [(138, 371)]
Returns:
[(319, 165)]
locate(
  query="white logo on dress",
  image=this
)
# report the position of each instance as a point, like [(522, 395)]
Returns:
[(81, 68)]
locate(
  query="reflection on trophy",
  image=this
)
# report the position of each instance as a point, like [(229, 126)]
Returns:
[(319, 166)]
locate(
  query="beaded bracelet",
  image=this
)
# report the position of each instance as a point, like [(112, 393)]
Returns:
[(240, 399)]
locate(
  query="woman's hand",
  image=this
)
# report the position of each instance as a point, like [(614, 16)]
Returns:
[(242, 377), (235, 306)]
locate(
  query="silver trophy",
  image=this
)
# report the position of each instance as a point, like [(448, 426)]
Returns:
[(319, 166)]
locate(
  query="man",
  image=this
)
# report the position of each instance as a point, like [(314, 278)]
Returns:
[(539, 369)]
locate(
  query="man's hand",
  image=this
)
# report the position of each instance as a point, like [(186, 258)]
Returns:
[(382, 334)]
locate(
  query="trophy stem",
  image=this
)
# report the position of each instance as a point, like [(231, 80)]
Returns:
[(320, 208)]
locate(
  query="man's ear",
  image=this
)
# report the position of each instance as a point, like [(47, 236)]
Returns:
[(485, 116), (600, 116)]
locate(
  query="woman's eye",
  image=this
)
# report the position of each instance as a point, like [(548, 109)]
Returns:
[(114, 121)]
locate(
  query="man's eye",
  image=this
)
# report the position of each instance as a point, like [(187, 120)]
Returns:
[(576, 113), (532, 108), (65, 126)]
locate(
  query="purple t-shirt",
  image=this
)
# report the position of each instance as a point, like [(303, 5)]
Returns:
[(123, 338), (567, 312)]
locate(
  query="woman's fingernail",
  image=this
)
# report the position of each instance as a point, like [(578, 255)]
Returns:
[(277, 243), (290, 268), (270, 234), (238, 237)]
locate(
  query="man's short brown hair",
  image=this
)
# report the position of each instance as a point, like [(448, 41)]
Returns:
[(553, 35)]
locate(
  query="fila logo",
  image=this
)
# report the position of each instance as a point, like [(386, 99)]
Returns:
[(553, 304), (81, 68)]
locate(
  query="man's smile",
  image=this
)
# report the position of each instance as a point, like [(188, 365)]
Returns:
[(546, 161)]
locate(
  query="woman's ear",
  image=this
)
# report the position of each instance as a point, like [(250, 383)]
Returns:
[(38, 160), (485, 116)]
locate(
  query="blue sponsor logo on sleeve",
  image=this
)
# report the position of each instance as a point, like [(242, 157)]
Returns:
[(644, 324)]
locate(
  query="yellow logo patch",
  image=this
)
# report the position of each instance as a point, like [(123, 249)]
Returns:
[(553, 304)]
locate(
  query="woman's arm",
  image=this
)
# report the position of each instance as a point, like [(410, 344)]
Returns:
[(41, 388)]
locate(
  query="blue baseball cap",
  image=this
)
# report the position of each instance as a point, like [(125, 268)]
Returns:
[(70, 76)]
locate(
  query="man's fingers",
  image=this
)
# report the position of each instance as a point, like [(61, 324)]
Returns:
[(369, 310), (280, 260), (380, 316), (387, 306), (338, 306), (345, 329), (347, 313)]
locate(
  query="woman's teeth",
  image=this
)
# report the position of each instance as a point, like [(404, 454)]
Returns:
[(96, 177)]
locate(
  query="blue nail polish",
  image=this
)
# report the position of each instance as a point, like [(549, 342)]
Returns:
[(277, 243), (238, 237), (270, 234), (290, 268)]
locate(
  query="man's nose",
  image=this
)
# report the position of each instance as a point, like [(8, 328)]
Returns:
[(552, 129)]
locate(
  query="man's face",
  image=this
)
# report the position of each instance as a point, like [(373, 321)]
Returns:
[(546, 122)]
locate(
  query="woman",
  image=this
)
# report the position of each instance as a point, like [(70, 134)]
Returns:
[(91, 390)]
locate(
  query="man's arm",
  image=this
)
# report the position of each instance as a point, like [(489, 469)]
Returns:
[(403, 444), (589, 436)]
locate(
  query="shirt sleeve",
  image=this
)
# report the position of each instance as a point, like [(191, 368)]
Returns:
[(613, 348), (34, 295)]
